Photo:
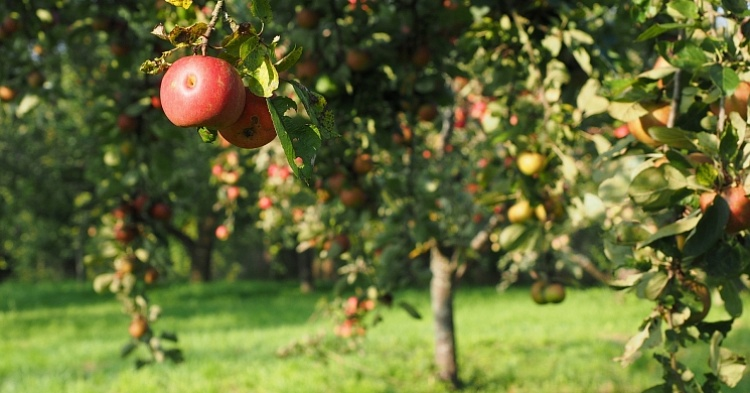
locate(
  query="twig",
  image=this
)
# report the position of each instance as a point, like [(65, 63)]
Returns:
[(211, 26)]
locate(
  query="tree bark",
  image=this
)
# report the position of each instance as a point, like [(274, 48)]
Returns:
[(201, 249), (441, 297)]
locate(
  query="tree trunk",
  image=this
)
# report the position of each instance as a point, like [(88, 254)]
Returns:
[(305, 264), (441, 297), (200, 250)]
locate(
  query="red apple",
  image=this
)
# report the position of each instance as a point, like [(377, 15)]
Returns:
[(233, 192), (363, 164), (6, 93), (125, 233), (352, 197), (127, 123), (156, 102), (254, 128), (140, 202), (358, 60), (160, 211), (265, 203), (222, 232), (621, 131), (202, 91)]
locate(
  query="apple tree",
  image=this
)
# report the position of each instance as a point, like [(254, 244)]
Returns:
[(682, 243)]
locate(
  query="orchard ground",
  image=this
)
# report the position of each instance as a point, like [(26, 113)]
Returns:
[(65, 338)]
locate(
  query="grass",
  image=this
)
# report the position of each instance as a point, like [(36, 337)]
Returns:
[(65, 338)]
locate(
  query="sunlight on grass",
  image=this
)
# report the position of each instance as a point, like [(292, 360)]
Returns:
[(69, 341)]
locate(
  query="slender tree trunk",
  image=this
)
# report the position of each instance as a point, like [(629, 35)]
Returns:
[(201, 249), (441, 297), (305, 265)]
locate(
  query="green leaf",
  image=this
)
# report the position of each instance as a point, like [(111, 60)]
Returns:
[(181, 3), (651, 285), (706, 174), (724, 78), (300, 140), (673, 137), (261, 9), (677, 227), (128, 348), (657, 187), (289, 59), (411, 310), (691, 56), (709, 229), (626, 111), (731, 296), (264, 79), (729, 144), (241, 43), (659, 29), (630, 233), (727, 365), (682, 9), (207, 136), (317, 108), (589, 101)]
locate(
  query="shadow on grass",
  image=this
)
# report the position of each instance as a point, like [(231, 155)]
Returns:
[(17, 296)]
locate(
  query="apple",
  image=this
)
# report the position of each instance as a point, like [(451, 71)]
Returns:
[(421, 56), (657, 116), (139, 202), (125, 233), (554, 293), (537, 292), (280, 171), (739, 207), (127, 123), (530, 163), (125, 264), (427, 112), (342, 242), (35, 79), (122, 211), (138, 327), (202, 91), (155, 102), (351, 305), (254, 128), (233, 192), (520, 212), (358, 59), (622, 131), (363, 164), (540, 212), (265, 203), (307, 18), (160, 211), (150, 275), (6, 93), (737, 102), (307, 69), (10, 25), (352, 197), (222, 232), (336, 182)]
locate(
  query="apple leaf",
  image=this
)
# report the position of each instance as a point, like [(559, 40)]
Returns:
[(186, 36), (730, 294), (317, 107), (626, 111), (673, 137), (411, 310), (300, 140), (157, 65), (261, 9), (241, 43), (652, 284), (724, 78), (181, 3), (677, 227), (207, 136), (264, 79), (659, 29), (727, 365), (289, 59), (709, 229), (655, 188)]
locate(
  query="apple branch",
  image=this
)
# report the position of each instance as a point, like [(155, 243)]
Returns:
[(211, 26)]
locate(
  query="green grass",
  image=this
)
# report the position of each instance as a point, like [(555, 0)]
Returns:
[(65, 338)]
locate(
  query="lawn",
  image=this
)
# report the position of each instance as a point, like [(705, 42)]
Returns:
[(65, 338)]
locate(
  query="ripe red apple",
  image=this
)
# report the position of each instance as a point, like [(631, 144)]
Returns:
[(160, 211), (265, 203), (307, 18), (139, 202), (202, 91), (352, 197), (739, 207), (358, 60), (254, 128), (127, 123), (222, 232), (621, 131), (6, 93), (155, 102), (351, 306), (530, 163), (656, 117), (233, 192), (125, 233), (427, 112), (363, 164)]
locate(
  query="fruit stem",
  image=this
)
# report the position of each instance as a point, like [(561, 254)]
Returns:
[(211, 25)]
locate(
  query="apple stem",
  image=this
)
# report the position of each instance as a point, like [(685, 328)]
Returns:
[(211, 25)]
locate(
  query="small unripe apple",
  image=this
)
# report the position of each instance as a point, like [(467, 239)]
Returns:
[(520, 212), (202, 91), (537, 292), (554, 293), (530, 163)]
